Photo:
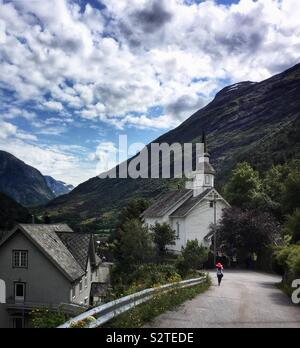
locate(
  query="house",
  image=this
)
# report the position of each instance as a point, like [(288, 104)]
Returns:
[(47, 265), (192, 210)]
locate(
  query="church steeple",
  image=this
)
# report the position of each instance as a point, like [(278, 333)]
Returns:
[(203, 178), (204, 142)]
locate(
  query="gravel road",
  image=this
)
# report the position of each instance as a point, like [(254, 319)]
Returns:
[(244, 299)]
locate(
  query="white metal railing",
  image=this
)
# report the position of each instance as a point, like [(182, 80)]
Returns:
[(110, 310)]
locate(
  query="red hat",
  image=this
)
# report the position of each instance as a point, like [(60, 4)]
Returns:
[(219, 265)]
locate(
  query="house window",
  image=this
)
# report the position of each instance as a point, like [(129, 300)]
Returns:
[(86, 300), (20, 258), (177, 229), (73, 292), (19, 292), (207, 179), (85, 281), (211, 204), (80, 285), (91, 276)]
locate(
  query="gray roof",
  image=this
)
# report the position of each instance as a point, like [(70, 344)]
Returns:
[(190, 204), (208, 168), (68, 250), (166, 202), (78, 244)]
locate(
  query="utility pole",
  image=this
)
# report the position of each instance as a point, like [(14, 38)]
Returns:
[(215, 228)]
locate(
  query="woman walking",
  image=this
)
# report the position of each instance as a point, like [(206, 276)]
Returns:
[(219, 272)]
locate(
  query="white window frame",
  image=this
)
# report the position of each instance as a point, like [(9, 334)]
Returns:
[(20, 258), (207, 179), (80, 285), (85, 281)]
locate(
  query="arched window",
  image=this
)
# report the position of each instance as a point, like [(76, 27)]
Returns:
[(2, 291), (207, 179)]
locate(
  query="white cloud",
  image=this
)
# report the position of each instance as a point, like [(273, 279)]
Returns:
[(9, 130), (149, 55), (63, 163), (114, 66), (53, 105)]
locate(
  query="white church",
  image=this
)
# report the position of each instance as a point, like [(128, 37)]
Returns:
[(192, 210)]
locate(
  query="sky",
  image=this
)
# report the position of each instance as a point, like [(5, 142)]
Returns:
[(76, 74)]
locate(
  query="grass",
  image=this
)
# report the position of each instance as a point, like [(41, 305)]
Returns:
[(159, 304), (286, 289)]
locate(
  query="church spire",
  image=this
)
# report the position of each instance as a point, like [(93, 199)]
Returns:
[(204, 141), (203, 178)]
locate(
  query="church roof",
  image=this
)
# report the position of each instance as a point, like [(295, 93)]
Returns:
[(166, 202), (189, 204), (208, 168)]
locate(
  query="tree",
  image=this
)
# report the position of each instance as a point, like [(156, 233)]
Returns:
[(288, 259), (133, 246), (292, 226), (193, 257), (244, 185), (133, 210), (163, 235), (247, 231), (291, 192)]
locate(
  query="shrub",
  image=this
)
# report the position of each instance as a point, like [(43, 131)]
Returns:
[(287, 259), (48, 317), (292, 226), (81, 324), (145, 276), (163, 235), (192, 258)]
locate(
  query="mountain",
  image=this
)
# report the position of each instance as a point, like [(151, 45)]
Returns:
[(57, 187), (23, 183), (258, 122), (11, 213)]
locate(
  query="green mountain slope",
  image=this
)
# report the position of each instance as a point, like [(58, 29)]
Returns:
[(23, 183), (251, 121), (11, 213)]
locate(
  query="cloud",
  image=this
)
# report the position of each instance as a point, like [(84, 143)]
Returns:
[(67, 163), (82, 65), (134, 55), (9, 130), (53, 105), (152, 17)]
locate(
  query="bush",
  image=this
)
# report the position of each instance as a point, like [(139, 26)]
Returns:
[(292, 226), (192, 258), (48, 317), (160, 303), (81, 324), (163, 235), (145, 276), (287, 260)]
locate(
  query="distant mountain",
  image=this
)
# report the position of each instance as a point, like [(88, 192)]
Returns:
[(23, 183), (58, 188), (11, 213), (251, 121)]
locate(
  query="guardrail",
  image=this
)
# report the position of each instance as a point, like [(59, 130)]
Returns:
[(112, 309)]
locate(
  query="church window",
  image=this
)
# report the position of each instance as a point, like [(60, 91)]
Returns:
[(207, 179), (177, 229)]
